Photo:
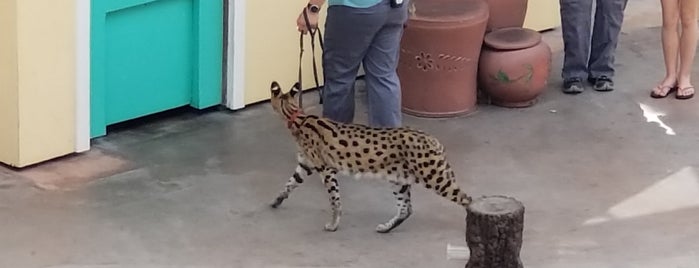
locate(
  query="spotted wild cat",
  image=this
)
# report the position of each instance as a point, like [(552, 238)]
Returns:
[(401, 156)]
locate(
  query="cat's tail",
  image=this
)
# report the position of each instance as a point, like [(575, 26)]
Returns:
[(452, 192)]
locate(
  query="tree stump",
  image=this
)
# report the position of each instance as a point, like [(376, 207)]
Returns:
[(494, 226)]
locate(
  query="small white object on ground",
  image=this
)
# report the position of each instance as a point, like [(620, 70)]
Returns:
[(457, 252)]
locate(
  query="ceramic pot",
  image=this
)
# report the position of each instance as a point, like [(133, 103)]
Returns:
[(438, 65), (514, 67), (506, 14)]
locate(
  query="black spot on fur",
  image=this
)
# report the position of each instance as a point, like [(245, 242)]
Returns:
[(298, 178), (446, 185), (329, 128), (306, 168), (343, 143)]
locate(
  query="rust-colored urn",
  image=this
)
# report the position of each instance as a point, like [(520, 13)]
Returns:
[(506, 14), (514, 67), (439, 53)]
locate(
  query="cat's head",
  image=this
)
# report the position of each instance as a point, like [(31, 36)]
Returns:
[(285, 103)]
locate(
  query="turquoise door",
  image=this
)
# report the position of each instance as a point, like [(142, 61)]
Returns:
[(149, 56)]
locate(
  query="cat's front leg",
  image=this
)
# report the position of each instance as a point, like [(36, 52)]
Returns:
[(302, 171)]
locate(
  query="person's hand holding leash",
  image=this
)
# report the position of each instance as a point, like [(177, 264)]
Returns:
[(311, 15)]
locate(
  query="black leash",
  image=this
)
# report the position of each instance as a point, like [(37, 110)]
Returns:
[(313, 51)]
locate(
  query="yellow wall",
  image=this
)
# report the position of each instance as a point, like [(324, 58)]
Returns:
[(9, 114), (542, 14), (272, 47), (45, 87), (272, 43)]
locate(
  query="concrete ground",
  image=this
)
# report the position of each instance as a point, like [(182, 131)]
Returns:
[(608, 180)]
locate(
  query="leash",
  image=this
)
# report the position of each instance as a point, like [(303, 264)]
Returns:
[(313, 51)]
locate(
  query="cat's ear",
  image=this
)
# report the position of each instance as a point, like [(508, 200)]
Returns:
[(295, 90), (275, 89)]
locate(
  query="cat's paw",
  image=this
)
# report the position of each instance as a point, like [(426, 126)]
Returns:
[(330, 227), (384, 228)]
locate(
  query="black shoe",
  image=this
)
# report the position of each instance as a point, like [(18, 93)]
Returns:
[(602, 83), (573, 86)]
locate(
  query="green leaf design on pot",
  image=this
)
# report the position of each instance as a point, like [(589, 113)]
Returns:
[(502, 77)]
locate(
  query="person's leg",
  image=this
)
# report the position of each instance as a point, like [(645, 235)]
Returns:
[(688, 44), (348, 34), (380, 63), (671, 42), (609, 16), (575, 25)]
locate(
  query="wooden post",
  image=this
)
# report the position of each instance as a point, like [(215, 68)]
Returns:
[(494, 226)]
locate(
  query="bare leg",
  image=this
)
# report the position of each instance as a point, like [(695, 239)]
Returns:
[(670, 38), (402, 194), (688, 45)]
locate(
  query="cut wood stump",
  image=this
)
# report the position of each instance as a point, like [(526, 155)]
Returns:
[(494, 226)]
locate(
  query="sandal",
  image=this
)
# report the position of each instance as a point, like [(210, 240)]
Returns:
[(659, 96), (684, 97)]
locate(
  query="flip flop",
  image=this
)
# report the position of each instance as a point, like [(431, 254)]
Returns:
[(684, 97), (658, 96)]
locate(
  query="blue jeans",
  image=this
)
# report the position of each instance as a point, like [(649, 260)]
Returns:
[(369, 36), (590, 53)]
